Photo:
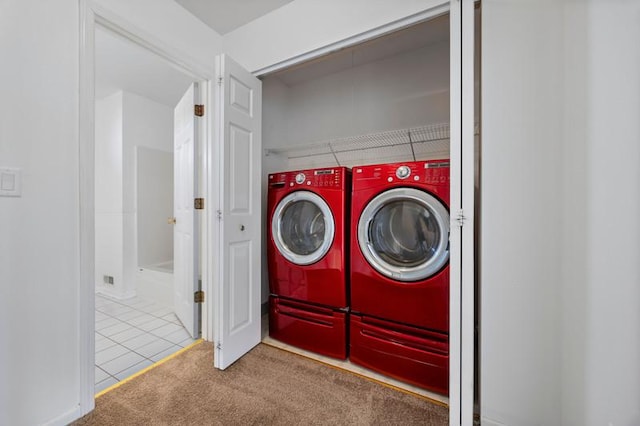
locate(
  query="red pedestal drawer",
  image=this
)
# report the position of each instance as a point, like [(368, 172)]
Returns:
[(410, 354), (317, 329)]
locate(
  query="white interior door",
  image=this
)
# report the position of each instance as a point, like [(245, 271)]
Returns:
[(239, 144), (184, 235)]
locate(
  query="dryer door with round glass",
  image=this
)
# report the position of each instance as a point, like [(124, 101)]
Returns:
[(404, 234), (302, 227)]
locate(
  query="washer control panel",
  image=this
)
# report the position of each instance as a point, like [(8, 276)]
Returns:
[(314, 178)]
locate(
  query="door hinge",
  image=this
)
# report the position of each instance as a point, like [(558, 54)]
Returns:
[(219, 81), (198, 110), (198, 296), (219, 214), (198, 203), (219, 346), (459, 218)]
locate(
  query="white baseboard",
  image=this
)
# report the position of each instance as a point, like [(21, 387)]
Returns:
[(490, 422), (66, 418), (116, 295)]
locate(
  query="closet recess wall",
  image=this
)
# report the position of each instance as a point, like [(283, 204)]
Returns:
[(384, 100)]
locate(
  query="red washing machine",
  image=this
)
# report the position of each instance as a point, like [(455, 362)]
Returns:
[(307, 259), (400, 271)]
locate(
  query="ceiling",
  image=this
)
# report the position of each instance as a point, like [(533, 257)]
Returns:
[(226, 15), (122, 65)]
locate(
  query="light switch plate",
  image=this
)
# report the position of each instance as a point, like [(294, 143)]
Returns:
[(10, 182)]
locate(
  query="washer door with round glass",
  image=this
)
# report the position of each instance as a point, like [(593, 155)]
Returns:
[(302, 227), (404, 234)]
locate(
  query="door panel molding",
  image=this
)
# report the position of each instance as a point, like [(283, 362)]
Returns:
[(237, 154)]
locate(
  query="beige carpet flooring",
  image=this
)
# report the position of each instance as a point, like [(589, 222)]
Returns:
[(268, 386)]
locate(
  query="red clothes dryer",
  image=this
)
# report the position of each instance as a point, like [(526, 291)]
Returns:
[(307, 258), (400, 271)]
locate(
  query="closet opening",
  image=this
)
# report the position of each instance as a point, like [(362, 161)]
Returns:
[(384, 102)]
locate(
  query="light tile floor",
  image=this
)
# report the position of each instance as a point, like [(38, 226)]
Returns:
[(131, 335)]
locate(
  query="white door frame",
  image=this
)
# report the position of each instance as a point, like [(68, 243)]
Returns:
[(461, 293), (91, 16), (430, 13)]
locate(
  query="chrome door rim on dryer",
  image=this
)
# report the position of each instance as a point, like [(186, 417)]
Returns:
[(402, 273), (329, 228)]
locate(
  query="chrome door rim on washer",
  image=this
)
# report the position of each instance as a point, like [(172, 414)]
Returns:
[(329, 227), (425, 269)]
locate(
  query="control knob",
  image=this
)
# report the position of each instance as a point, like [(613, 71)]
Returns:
[(403, 172)]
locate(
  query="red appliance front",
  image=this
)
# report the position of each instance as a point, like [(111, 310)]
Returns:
[(423, 304), (323, 281), (317, 329), (409, 354), (403, 192)]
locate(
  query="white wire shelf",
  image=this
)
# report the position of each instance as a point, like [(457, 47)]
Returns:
[(417, 143)]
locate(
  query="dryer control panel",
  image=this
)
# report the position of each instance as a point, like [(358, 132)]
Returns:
[(334, 177), (433, 172)]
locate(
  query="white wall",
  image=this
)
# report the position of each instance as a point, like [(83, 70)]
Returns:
[(275, 106), (353, 93), (109, 185), (305, 25), (125, 121), (148, 139), (39, 267), (154, 186), (521, 219), (560, 296), (274, 113), (400, 91), (145, 124), (601, 300), (39, 248)]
